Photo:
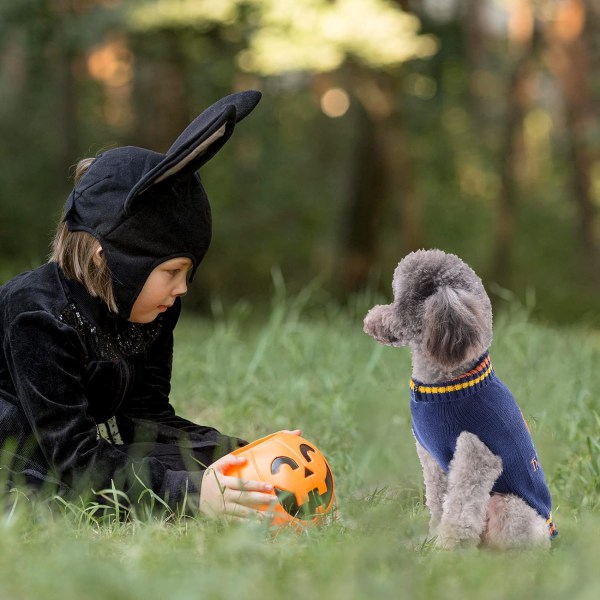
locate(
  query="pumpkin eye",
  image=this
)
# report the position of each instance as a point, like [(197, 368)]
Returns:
[(304, 450), (282, 460)]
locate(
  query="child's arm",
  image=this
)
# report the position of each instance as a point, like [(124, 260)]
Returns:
[(46, 361), (147, 406)]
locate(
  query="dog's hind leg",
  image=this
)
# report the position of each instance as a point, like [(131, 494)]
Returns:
[(436, 482), (512, 523), (471, 476)]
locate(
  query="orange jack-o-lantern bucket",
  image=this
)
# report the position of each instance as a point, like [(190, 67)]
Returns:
[(301, 477)]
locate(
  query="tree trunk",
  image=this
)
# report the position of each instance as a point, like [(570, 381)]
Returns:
[(512, 153), (68, 108), (160, 94), (62, 63), (518, 99), (401, 178), (474, 40), (363, 219), (568, 58), (383, 175)]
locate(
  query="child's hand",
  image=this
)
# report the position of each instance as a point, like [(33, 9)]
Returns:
[(294, 431), (223, 495)]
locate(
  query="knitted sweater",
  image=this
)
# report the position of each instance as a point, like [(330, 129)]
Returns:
[(480, 403)]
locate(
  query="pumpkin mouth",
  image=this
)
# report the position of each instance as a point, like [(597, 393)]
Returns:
[(315, 501)]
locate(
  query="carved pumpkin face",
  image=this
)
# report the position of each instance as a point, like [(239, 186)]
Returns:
[(300, 475)]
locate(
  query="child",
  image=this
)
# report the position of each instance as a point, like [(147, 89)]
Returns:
[(87, 339)]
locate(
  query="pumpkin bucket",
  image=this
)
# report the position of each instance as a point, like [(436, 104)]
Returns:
[(301, 477)]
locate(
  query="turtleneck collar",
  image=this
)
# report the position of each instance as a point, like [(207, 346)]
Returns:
[(463, 385)]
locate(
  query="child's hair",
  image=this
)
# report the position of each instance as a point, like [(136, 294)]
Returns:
[(75, 253)]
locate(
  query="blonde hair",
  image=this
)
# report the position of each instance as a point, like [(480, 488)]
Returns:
[(75, 253)]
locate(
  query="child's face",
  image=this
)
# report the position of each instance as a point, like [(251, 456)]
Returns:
[(163, 286)]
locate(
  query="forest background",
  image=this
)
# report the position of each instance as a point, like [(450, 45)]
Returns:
[(385, 126)]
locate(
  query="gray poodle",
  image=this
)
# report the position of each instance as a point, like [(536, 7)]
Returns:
[(483, 480)]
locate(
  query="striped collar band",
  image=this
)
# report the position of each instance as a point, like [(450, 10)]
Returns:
[(460, 387)]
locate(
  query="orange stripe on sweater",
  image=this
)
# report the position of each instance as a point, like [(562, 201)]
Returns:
[(480, 367)]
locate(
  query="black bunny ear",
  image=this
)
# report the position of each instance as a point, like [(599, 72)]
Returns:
[(242, 102), (200, 140)]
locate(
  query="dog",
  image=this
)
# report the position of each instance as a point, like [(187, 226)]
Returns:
[(484, 483)]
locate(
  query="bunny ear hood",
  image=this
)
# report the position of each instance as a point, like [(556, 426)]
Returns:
[(145, 207)]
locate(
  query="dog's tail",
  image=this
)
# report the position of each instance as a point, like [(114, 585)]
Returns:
[(452, 326)]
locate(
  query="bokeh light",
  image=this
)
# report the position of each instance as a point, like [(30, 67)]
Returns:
[(335, 102)]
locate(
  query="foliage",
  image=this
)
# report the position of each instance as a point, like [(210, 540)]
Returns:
[(309, 365), (320, 36), (310, 35), (77, 77), (162, 14)]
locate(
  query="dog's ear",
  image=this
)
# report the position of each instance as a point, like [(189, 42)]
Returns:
[(381, 323), (454, 323)]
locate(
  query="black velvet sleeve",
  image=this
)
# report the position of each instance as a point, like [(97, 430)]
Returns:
[(147, 406), (46, 359)]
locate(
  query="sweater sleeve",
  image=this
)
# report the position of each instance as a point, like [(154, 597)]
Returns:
[(46, 359)]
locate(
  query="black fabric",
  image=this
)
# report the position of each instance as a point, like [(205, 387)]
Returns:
[(145, 207), (67, 365)]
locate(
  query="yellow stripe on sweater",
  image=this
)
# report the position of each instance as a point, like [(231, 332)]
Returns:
[(426, 389)]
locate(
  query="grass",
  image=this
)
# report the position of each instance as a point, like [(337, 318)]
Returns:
[(312, 367)]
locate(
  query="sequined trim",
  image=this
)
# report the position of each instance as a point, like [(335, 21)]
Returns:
[(128, 339)]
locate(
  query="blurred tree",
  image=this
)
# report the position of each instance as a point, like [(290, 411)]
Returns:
[(37, 56), (43, 43), (358, 153), (567, 32), (361, 43), (518, 101), (475, 49), (170, 40), (364, 42)]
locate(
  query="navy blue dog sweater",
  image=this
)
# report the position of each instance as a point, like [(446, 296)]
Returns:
[(478, 402)]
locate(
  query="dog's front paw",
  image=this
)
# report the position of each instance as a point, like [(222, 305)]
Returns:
[(451, 537)]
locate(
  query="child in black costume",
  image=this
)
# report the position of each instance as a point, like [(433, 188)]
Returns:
[(87, 339)]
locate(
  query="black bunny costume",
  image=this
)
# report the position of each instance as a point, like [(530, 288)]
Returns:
[(84, 393)]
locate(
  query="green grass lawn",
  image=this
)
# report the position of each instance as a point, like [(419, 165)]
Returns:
[(250, 376)]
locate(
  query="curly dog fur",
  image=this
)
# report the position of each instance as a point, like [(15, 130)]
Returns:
[(442, 312)]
